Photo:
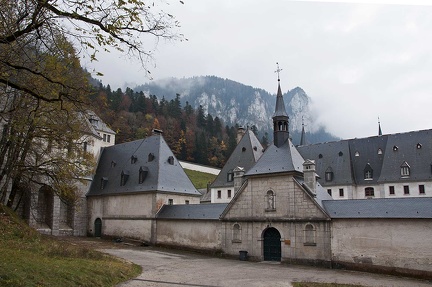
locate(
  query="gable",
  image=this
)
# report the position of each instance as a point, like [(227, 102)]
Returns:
[(245, 155), (279, 197)]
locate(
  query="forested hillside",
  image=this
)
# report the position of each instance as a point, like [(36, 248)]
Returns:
[(191, 134)]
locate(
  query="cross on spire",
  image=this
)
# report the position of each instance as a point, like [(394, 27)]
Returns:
[(278, 71)]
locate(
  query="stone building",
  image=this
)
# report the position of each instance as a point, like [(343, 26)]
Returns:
[(282, 213), (46, 211), (383, 166), (132, 182)]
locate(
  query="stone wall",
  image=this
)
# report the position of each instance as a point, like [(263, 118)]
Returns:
[(399, 244), (194, 234)]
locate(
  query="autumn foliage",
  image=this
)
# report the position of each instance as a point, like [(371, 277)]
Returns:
[(192, 135)]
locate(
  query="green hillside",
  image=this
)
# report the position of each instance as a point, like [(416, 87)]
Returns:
[(30, 259), (200, 179)]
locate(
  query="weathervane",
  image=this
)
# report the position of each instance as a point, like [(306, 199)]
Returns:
[(278, 71)]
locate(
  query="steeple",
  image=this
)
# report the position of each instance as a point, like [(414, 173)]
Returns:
[(280, 117), (379, 128), (303, 134)]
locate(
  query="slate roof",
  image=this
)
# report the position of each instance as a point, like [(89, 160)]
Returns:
[(385, 155), (413, 147), (152, 155), (245, 155), (410, 207), (333, 155), (280, 105), (285, 158), (210, 211)]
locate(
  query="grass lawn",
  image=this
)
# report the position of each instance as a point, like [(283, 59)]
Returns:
[(200, 179), (30, 259)]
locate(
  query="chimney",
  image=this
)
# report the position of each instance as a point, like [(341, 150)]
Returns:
[(156, 132), (238, 178), (309, 174), (240, 134)]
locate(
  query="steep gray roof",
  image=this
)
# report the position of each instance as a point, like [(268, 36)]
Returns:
[(97, 123), (331, 156), (278, 159), (367, 153), (412, 207), (192, 211), (280, 105), (245, 155), (415, 148), (151, 155), (385, 155)]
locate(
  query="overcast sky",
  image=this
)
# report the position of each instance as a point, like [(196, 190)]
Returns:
[(357, 62)]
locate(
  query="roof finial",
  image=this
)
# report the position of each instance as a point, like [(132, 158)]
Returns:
[(278, 71), (379, 127)]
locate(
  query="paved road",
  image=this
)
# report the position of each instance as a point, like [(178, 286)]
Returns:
[(163, 267)]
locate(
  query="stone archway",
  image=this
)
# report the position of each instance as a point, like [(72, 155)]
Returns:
[(272, 244)]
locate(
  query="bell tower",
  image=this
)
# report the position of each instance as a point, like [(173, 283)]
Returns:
[(280, 117)]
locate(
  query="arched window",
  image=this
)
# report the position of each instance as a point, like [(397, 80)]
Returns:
[(368, 172), (309, 235), (369, 191), (236, 233), (271, 200)]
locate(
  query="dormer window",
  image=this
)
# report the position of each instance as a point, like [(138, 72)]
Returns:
[(340, 153), (103, 183), (171, 160), (356, 153), (419, 146), (143, 172), (368, 172), (395, 148), (124, 177), (151, 157), (134, 159), (380, 151), (320, 156), (243, 149), (113, 163), (405, 169), (230, 175), (329, 174)]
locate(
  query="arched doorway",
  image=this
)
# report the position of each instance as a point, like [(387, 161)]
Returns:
[(272, 245), (98, 227)]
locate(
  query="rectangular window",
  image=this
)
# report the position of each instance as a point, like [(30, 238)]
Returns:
[(85, 146), (229, 193), (341, 192), (186, 201), (170, 201), (108, 138), (391, 190), (329, 191), (421, 189), (219, 194), (104, 137), (406, 189)]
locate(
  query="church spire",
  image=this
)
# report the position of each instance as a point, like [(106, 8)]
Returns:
[(280, 117), (303, 134), (379, 128)]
